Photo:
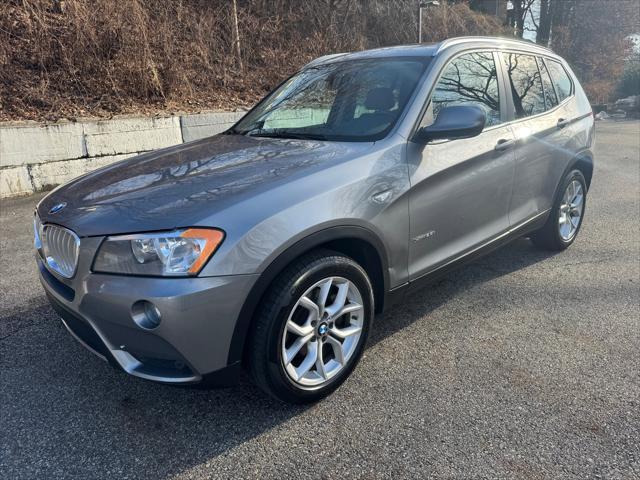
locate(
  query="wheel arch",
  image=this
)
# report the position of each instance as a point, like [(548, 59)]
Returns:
[(583, 161), (357, 242)]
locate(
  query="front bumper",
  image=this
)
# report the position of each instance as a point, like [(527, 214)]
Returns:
[(192, 341)]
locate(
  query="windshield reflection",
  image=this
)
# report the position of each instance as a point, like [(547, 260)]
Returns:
[(358, 100)]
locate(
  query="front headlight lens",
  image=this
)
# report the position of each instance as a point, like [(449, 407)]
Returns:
[(176, 253)]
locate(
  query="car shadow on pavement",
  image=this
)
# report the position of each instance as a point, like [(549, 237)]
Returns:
[(63, 404), (512, 257)]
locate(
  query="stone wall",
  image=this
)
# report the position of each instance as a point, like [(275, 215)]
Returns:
[(35, 157)]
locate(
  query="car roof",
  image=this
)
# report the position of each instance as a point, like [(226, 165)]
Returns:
[(433, 49)]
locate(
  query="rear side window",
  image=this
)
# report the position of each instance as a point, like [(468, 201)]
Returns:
[(550, 98), (525, 84), (560, 79), (469, 79)]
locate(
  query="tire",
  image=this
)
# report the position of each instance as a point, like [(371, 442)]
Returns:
[(272, 361), (557, 234)]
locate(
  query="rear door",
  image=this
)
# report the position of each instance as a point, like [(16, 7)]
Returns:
[(542, 150), (460, 189)]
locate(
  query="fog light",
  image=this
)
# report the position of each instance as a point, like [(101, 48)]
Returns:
[(145, 314)]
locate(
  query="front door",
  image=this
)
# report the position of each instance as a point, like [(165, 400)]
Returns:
[(460, 189)]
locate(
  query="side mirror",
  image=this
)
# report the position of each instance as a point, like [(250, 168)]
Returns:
[(458, 121)]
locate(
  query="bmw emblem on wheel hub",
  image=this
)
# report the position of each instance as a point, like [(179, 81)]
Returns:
[(323, 329)]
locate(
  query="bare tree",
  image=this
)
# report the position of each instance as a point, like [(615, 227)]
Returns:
[(544, 24), (236, 34), (517, 16), (593, 37)]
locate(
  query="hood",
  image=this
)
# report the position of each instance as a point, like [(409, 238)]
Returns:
[(183, 185)]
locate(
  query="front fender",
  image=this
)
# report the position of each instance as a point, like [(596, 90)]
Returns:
[(286, 255)]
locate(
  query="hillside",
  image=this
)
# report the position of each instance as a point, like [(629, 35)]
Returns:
[(76, 58)]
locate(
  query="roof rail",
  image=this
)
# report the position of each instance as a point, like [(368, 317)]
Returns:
[(497, 40)]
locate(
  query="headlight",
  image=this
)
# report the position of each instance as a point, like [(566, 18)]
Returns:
[(176, 253)]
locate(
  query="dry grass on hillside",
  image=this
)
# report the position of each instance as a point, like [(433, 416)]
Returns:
[(72, 58)]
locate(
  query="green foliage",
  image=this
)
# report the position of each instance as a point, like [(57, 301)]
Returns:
[(629, 83)]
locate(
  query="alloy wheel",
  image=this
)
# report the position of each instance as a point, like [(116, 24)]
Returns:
[(322, 332), (571, 210)]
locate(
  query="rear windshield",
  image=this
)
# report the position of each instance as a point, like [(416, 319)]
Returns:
[(357, 100)]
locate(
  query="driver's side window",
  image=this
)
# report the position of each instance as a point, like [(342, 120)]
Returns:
[(470, 79)]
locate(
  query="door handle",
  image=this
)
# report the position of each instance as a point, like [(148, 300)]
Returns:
[(503, 144), (563, 122)]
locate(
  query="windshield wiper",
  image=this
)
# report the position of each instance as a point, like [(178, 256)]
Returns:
[(300, 136)]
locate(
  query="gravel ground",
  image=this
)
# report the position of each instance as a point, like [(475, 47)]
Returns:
[(522, 365)]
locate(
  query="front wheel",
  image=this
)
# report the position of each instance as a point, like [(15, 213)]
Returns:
[(312, 328), (567, 213)]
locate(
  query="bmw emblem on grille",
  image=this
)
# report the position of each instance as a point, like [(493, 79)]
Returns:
[(58, 207)]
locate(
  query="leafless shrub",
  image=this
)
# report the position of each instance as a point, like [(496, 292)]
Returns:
[(69, 58)]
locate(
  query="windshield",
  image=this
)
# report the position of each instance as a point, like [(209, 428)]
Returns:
[(358, 101)]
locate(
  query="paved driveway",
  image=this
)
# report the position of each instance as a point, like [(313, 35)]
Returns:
[(523, 365)]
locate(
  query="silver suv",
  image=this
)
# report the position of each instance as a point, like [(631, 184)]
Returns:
[(272, 245)]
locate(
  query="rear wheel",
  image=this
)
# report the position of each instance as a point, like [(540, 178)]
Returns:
[(312, 328), (565, 218)]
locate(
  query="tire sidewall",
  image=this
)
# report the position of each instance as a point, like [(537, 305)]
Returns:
[(337, 266)]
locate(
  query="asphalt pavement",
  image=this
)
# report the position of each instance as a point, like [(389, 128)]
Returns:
[(522, 365)]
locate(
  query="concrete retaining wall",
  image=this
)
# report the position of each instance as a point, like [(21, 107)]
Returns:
[(36, 157)]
